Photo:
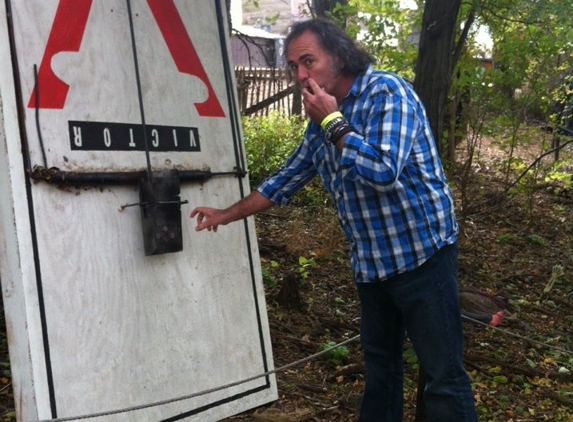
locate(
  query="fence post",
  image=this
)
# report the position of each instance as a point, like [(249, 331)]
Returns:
[(296, 102)]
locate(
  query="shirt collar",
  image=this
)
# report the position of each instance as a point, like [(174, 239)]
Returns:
[(358, 84)]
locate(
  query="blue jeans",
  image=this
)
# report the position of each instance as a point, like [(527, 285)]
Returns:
[(424, 304)]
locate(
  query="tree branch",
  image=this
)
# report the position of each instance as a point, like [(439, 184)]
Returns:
[(462, 39), (537, 160)]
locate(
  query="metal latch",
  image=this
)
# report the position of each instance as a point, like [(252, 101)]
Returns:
[(160, 206)]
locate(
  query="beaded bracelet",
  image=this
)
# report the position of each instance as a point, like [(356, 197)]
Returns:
[(339, 132), (336, 128)]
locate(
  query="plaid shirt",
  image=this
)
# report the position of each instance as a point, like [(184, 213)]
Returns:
[(388, 184)]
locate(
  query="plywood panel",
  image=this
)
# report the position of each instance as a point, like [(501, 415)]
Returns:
[(95, 325)]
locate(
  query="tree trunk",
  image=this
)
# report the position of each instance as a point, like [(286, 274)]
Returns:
[(432, 83), (436, 60)]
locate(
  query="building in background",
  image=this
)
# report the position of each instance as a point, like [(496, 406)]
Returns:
[(259, 31), (254, 47), (274, 16)]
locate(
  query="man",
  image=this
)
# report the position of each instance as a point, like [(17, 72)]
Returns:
[(370, 141)]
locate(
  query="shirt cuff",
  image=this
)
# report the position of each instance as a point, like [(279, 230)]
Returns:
[(273, 195)]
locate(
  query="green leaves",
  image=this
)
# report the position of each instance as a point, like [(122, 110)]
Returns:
[(335, 355), (384, 28), (269, 141), (304, 266)]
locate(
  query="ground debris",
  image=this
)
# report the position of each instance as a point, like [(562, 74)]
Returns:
[(277, 415)]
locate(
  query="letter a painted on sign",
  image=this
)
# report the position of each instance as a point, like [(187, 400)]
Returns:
[(66, 36), (183, 51)]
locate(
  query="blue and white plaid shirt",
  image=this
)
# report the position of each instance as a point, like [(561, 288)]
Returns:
[(388, 184)]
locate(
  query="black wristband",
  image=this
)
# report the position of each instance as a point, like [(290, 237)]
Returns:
[(335, 129), (333, 124), (340, 133)]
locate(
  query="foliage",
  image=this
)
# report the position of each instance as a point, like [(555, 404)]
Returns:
[(336, 355), (269, 141), (559, 174), (304, 267), (269, 279), (535, 239), (523, 91), (532, 51), (411, 358), (384, 28)]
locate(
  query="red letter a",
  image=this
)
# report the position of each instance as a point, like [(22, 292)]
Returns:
[(66, 35), (183, 52)]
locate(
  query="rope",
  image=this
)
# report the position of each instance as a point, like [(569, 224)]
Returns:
[(274, 371), (545, 345), (201, 393)]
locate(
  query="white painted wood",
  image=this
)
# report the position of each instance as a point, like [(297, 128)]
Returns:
[(95, 325)]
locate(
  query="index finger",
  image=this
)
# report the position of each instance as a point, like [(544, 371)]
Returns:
[(313, 85), (195, 212)]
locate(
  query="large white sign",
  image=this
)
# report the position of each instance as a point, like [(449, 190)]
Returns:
[(117, 118)]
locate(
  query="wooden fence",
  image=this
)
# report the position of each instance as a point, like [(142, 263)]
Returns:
[(262, 90)]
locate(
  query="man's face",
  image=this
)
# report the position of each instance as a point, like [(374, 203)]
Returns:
[(307, 59)]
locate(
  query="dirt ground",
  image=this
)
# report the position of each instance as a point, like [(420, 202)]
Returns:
[(517, 246)]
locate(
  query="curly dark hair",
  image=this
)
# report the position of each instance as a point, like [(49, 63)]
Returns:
[(335, 42)]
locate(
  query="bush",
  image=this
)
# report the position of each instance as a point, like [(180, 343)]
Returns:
[(269, 141)]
